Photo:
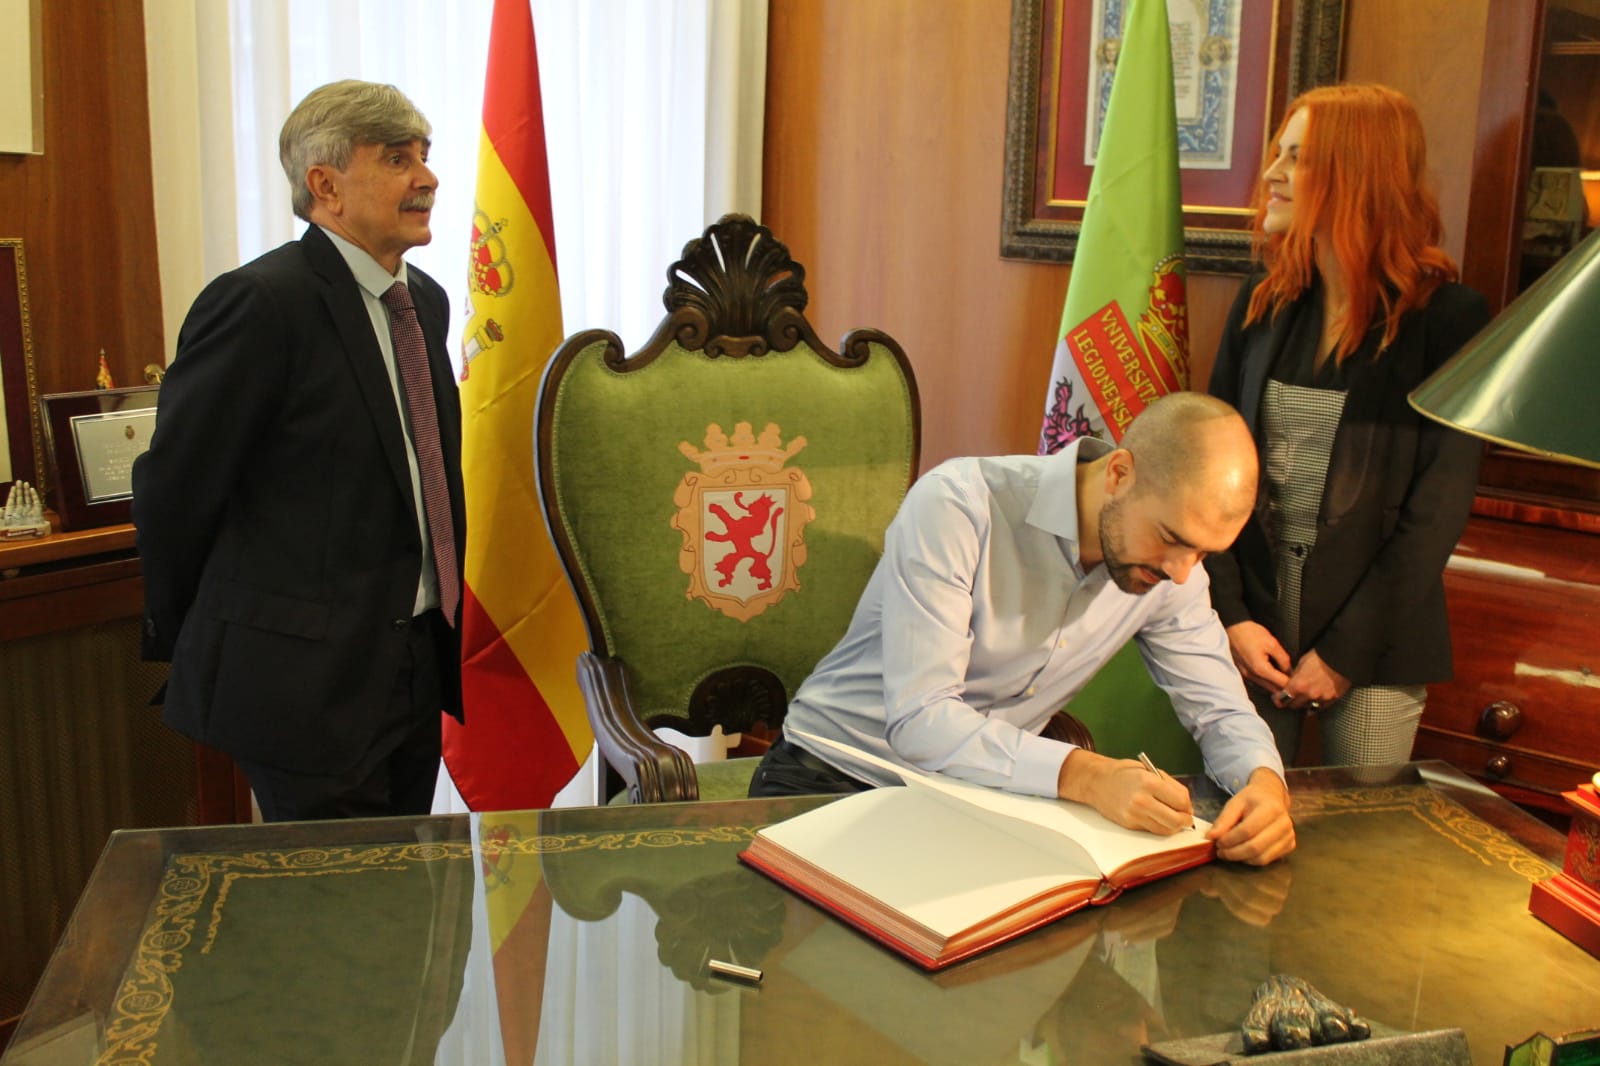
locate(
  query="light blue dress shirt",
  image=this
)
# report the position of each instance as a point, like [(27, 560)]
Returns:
[(979, 623)]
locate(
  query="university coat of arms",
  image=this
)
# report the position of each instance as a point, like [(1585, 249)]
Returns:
[(743, 516)]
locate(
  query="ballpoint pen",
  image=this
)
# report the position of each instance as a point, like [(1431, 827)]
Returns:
[(734, 971), (1144, 760)]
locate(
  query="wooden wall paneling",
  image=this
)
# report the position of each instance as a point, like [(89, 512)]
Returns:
[(1500, 139), (1211, 297), (883, 169), (84, 208), (1431, 50)]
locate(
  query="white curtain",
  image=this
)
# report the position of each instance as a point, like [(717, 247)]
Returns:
[(655, 110), (191, 150)]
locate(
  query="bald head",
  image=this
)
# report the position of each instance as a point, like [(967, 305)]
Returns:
[(1191, 444)]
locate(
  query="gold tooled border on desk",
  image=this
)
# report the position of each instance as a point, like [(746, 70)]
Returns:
[(1444, 816), (145, 999), (667, 837), (501, 843)]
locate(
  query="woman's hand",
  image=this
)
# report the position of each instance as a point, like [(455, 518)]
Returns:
[(1258, 655), (1315, 683)]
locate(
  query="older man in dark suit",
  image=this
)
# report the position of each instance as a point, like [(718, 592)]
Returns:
[(300, 511)]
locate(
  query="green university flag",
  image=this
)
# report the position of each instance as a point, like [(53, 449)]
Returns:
[(1124, 337)]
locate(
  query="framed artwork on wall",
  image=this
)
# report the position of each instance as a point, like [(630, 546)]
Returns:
[(19, 420), (1236, 66)]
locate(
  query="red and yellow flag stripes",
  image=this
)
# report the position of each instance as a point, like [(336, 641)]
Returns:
[(526, 731)]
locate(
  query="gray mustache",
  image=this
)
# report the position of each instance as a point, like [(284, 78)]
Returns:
[(418, 203)]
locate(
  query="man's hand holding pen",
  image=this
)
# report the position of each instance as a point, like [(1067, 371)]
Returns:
[(1144, 761), (1126, 792)]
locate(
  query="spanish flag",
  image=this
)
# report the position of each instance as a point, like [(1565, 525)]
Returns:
[(1124, 338), (526, 731)]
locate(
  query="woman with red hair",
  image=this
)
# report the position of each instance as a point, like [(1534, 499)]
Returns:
[(1333, 594)]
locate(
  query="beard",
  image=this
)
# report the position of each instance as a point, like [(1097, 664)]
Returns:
[(1132, 578)]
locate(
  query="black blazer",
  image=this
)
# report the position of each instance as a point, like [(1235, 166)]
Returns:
[(1397, 496), (275, 516)]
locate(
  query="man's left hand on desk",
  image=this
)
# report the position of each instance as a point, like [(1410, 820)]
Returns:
[(1254, 826)]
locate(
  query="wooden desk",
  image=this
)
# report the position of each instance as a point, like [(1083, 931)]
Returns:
[(582, 936)]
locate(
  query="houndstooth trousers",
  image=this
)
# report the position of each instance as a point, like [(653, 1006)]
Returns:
[(1369, 726)]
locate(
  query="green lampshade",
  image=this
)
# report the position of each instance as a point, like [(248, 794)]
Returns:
[(1529, 379)]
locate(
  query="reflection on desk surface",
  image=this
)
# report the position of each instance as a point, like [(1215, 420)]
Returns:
[(583, 937)]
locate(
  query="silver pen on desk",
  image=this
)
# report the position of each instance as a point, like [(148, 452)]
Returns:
[(1144, 760), (739, 973)]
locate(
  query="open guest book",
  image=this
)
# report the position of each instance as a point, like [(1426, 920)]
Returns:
[(943, 869)]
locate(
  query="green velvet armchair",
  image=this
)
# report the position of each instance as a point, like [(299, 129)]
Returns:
[(718, 500)]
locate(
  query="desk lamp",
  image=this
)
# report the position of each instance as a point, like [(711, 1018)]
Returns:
[(1527, 381)]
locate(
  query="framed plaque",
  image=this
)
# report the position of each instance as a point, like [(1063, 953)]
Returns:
[(91, 440)]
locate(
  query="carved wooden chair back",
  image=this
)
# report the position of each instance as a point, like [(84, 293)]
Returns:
[(718, 500)]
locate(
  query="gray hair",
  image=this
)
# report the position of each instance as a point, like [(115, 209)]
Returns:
[(325, 128)]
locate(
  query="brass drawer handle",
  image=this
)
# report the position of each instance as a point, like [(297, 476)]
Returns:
[(1499, 720)]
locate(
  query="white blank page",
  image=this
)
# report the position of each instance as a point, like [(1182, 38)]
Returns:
[(923, 856)]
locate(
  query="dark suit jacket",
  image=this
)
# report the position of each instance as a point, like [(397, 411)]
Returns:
[(275, 514), (1397, 496)]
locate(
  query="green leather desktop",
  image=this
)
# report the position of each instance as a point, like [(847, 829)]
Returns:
[(583, 936)]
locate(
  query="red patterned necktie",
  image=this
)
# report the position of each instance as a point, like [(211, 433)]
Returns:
[(411, 355)]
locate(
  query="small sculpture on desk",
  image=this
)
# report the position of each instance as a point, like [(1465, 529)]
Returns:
[(1287, 1014), (23, 515)]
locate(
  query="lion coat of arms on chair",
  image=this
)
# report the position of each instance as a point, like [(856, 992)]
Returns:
[(743, 517)]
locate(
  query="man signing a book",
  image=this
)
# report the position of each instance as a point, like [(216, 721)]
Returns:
[(1006, 583)]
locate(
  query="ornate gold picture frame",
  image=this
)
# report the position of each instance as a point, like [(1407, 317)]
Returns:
[(19, 411)]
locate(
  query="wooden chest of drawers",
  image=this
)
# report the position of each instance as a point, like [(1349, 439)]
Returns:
[(1523, 713)]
